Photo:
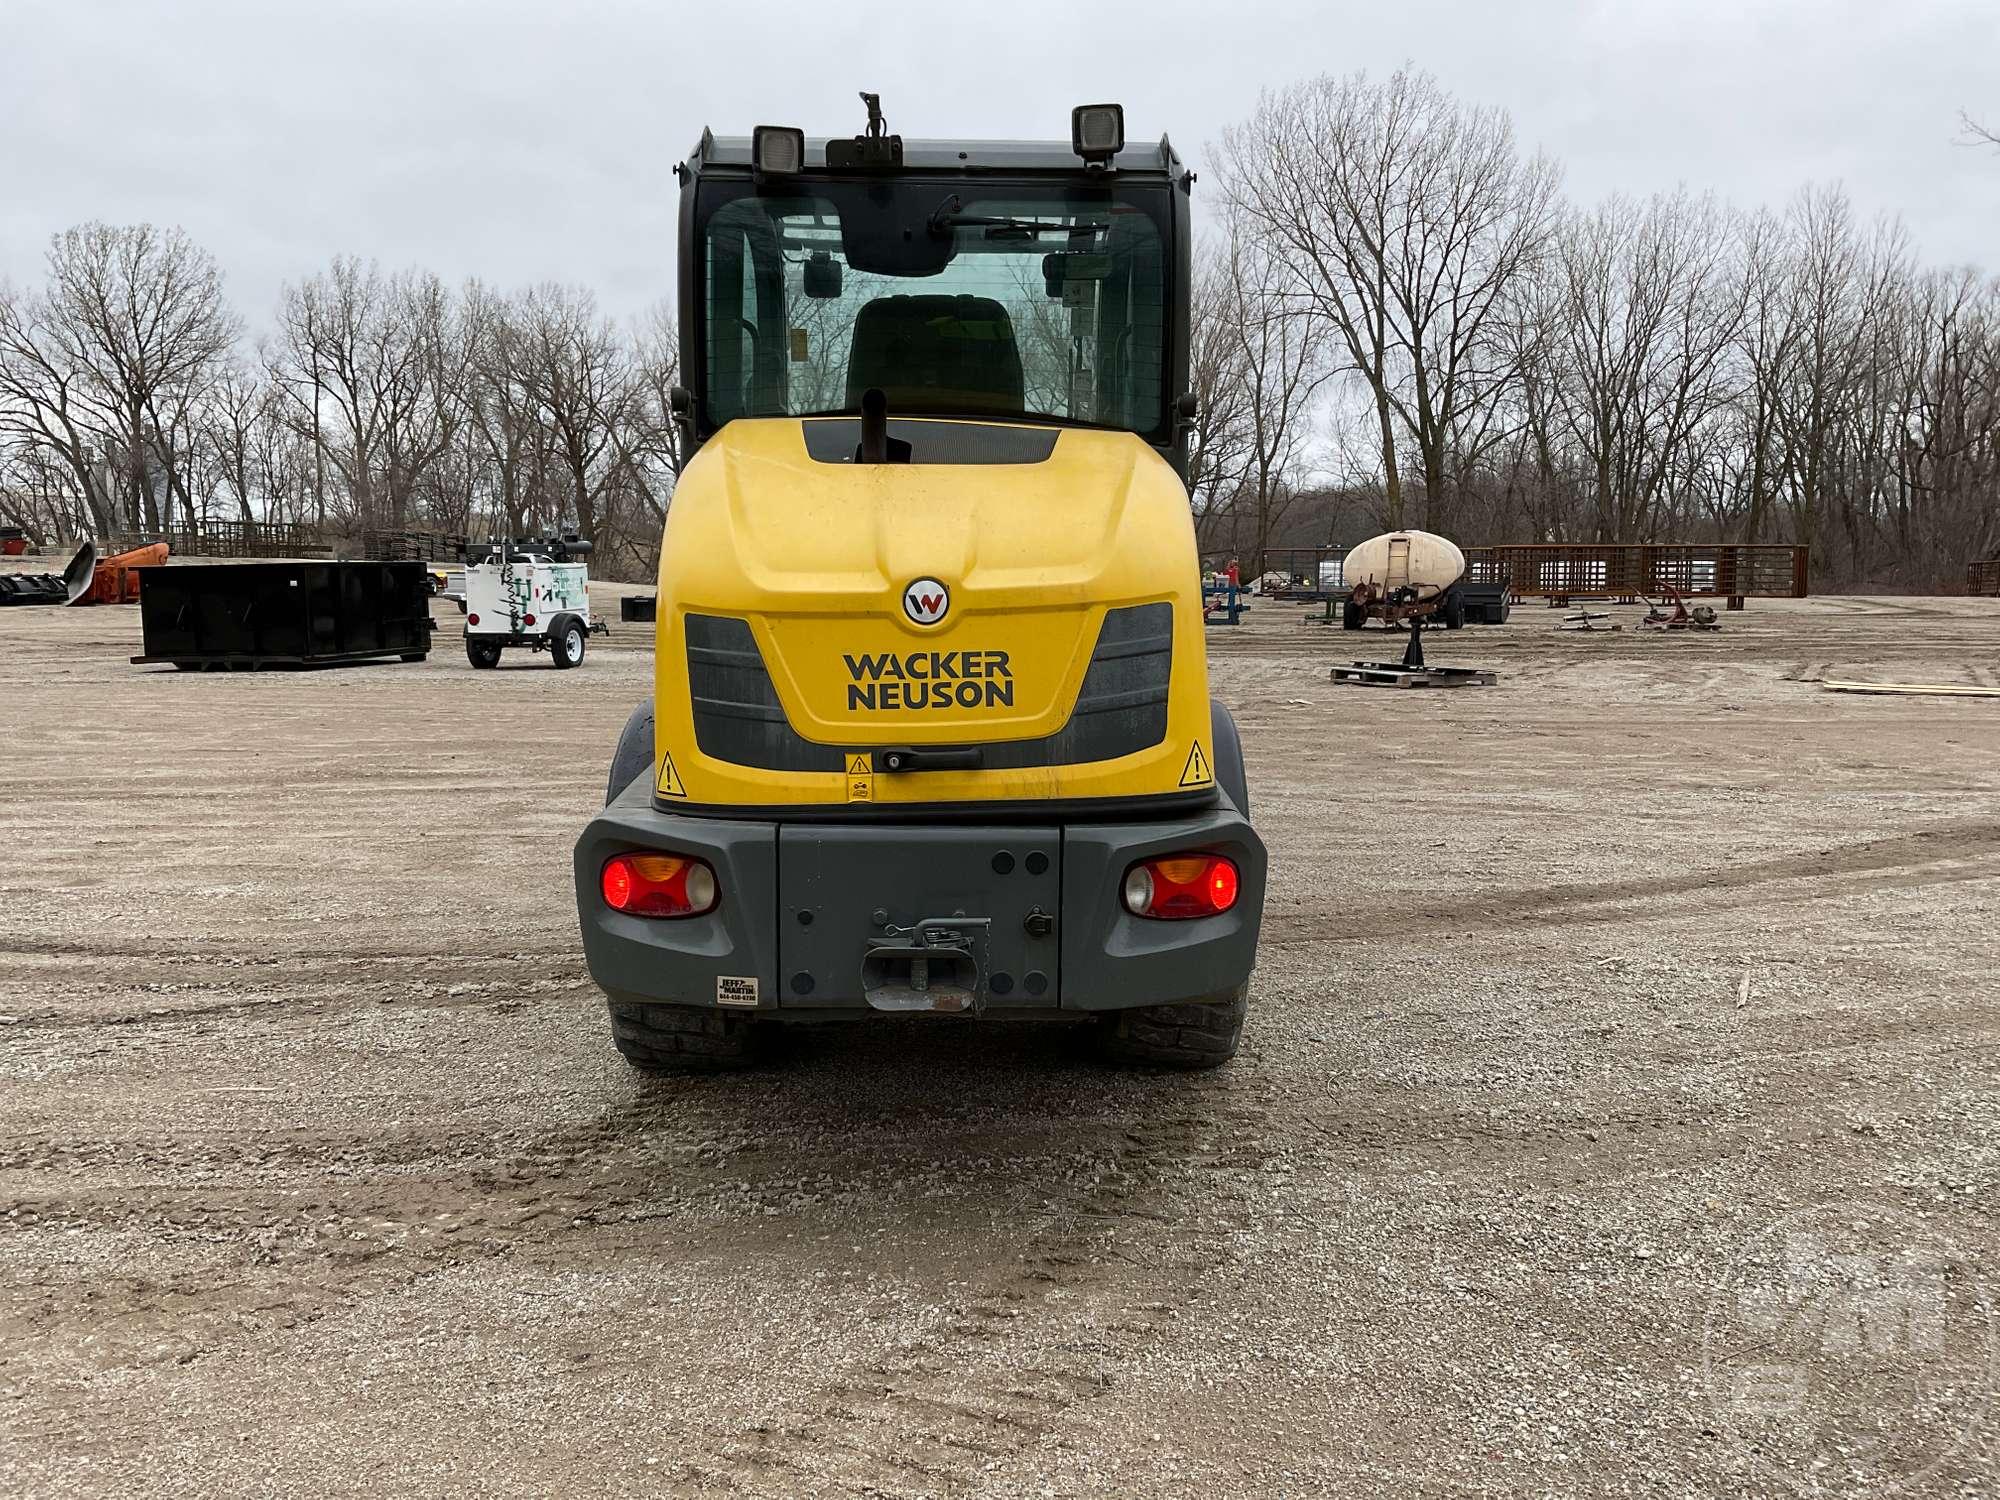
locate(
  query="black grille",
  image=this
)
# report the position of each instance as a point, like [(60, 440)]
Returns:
[(1121, 708), (737, 716)]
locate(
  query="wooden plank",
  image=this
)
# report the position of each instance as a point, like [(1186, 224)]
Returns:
[(1941, 689)]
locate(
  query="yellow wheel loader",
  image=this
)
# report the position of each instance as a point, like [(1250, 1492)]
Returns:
[(930, 727)]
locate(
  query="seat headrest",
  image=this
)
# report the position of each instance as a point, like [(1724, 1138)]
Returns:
[(953, 353)]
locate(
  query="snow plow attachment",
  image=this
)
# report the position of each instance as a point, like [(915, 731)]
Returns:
[(52, 588)]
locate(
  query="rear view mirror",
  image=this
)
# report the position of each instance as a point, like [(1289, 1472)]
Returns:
[(822, 275), (1060, 267)]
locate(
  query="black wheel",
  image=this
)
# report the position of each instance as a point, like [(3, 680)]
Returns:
[(566, 641), (1454, 610), (1228, 747), (683, 1038), (634, 755), (482, 653), (1350, 616), (436, 586), (1198, 1034)]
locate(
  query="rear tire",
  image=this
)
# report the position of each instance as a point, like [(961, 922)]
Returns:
[(1350, 616), (480, 653), (683, 1038), (567, 639), (1228, 747), (1190, 1036), (634, 755), (1454, 611)]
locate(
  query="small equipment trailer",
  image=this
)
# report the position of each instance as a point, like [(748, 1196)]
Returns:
[(528, 594)]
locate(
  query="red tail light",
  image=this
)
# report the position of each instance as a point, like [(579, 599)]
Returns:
[(1179, 886), (472, 619), (527, 619), (658, 885)]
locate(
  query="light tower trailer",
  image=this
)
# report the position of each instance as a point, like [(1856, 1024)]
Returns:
[(528, 593)]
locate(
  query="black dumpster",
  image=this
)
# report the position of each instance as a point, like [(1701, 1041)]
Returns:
[(1485, 603), (284, 614), (638, 607)]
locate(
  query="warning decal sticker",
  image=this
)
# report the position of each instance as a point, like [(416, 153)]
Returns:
[(860, 778), (1196, 772), (670, 780)]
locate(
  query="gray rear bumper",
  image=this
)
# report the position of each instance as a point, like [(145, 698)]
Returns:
[(800, 903)]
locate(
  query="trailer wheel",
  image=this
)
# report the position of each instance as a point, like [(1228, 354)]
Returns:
[(1350, 616), (1454, 610), (482, 653), (566, 641), (683, 1038), (1197, 1034)]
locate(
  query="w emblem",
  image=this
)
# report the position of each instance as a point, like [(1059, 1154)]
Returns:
[(926, 600)]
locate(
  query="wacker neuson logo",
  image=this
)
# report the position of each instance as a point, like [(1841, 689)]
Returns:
[(926, 600), (929, 679)]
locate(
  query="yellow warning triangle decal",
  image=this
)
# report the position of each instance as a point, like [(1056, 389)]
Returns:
[(1196, 772), (670, 779), (861, 765)]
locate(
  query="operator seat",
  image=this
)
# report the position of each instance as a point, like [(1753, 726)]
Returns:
[(930, 351)]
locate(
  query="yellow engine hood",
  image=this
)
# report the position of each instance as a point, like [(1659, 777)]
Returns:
[(923, 604)]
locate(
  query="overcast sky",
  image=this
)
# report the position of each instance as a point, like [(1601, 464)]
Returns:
[(519, 142)]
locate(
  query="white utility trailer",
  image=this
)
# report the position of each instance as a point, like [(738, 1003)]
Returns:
[(528, 593)]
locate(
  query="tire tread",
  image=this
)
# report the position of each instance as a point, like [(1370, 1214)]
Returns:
[(1192, 1034), (682, 1038)]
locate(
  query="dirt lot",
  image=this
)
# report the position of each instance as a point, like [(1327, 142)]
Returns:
[(1587, 1005)]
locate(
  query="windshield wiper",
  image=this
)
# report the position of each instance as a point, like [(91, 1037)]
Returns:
[(948, 217)]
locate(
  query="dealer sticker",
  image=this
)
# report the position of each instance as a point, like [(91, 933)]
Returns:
[(735, 989)]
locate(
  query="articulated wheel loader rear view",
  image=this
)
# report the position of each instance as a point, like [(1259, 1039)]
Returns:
[(930, 728)]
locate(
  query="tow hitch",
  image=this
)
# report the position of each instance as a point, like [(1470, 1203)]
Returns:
[(937, 965)]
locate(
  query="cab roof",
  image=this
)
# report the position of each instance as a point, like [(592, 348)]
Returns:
[(733, 151)]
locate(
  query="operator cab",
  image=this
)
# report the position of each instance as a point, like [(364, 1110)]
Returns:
[(1040, 285)]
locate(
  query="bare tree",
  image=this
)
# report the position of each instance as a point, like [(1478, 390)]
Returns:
[(577, 374), (1648, 302), (1402, 218), (1281, 368), (104, 366), (1221, 436)]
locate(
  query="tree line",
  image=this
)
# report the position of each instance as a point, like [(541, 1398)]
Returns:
[(131, 403), (1398, 320), (1402, 322)]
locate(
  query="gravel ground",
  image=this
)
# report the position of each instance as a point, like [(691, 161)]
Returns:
[(1632, 1130)]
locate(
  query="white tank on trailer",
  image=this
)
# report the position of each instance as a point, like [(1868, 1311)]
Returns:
[(1420, 560)]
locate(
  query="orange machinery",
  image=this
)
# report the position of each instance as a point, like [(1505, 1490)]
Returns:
[(116, 580)]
